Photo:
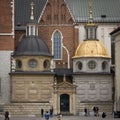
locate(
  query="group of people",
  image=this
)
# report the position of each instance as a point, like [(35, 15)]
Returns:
[(47, 114), (96, 112), (50, 113)]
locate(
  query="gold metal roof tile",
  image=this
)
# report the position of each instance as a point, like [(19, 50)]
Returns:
[(91, 48)]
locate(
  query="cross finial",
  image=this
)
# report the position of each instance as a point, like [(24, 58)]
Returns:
[(90, 11), (32, 11)]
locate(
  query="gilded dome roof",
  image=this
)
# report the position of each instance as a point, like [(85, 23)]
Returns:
[(91, 48)]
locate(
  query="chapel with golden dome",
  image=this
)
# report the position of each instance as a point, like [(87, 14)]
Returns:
[(91, 69)]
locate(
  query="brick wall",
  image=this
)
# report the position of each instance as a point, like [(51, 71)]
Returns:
[(5, 16), (6, 40), (69, 38), (6, 43), (57, 17)]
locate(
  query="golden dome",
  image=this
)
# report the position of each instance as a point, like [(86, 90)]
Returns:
[(91, 48)]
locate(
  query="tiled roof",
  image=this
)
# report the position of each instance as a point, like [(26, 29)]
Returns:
[(103, 10), (22, 10), (64, 71), (32, 45)]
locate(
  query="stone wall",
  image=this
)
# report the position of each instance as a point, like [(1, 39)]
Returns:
[(31, 88), (4, 77), (93, 89)]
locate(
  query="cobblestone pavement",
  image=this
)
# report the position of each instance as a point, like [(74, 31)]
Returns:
[(109, 117)]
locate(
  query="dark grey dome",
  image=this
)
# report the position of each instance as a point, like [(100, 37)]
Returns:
[(32, 45)]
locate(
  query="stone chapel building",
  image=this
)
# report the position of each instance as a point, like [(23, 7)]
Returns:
[(56, 53)]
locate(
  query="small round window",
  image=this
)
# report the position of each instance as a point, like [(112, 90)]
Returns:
[(32, 63), (46, 64), (92, 64), (18, 64), (79, 65)]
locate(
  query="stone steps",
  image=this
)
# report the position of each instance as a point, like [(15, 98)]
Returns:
[(103, 107), (26, 108)]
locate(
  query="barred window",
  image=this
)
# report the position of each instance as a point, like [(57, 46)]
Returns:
[(91, 33)]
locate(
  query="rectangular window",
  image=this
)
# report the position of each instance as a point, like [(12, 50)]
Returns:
[(91, 32)]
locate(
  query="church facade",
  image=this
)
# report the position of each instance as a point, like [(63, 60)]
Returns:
[(56, 54)]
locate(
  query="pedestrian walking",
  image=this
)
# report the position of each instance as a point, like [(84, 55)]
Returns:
[(97, 111), (94, 110), (42, 112), (51, 111), (85, 110), (6, 115), (47, 115)]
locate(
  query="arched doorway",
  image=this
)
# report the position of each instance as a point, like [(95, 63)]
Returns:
[(64, 103)]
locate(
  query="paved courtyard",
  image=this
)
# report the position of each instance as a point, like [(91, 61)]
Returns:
[(109, 117)]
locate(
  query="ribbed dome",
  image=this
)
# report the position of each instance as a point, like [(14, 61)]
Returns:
[(91, 48), (32, 45)]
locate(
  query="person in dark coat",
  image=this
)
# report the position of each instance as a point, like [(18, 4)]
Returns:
[(51, 111), (85, 110), (42, 112), (6, 115), (104, 115), (94, 110)]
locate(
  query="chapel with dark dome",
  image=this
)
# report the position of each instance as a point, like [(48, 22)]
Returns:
[(32, 72)]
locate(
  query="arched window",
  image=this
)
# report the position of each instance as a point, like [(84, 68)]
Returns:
[(104, 65), (57, 45)]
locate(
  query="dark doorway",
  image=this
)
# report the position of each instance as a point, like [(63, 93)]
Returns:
[(64, 103)]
